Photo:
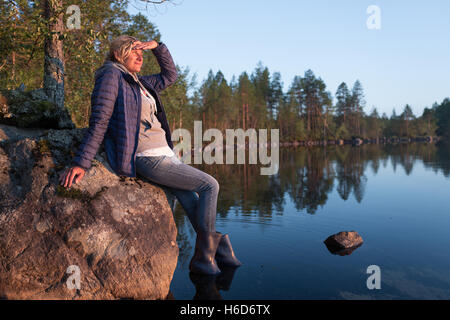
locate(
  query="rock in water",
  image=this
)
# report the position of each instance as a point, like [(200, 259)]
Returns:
[(118, 236), (344, 242)]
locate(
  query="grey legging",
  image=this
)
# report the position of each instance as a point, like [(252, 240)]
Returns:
[(184, 181)]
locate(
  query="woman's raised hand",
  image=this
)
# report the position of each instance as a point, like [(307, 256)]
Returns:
[(139, 45), (73, 174)]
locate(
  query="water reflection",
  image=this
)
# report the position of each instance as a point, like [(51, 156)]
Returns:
[(308, 176), (341, 251), (411, 283), (207, 287), (307, 179)]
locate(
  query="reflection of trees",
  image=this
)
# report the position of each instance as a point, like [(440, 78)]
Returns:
[(443, 158), (437, 157), (375, 156), (307, 176), (404, 155), (244, 190), (313, 181), (350, 174)]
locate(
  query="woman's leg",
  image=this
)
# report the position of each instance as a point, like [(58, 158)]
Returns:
[(189, 200), (184, 181), (172, 173)]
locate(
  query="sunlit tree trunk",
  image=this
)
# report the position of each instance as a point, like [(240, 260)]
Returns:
[(53, 53)]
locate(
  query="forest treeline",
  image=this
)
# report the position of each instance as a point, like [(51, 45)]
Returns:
[(308, 110)]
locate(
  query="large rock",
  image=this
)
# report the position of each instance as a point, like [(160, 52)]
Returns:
[(118, 232), (32, 109), (344, 242)]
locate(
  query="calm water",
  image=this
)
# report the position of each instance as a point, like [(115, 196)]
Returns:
[(396, 197)]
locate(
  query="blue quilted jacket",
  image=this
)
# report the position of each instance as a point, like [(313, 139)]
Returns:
[(116, 113)]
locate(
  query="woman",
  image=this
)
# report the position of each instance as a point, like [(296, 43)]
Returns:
[(128, 115)]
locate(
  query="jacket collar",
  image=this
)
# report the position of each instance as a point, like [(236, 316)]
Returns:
[(127, 75), (124, 70)]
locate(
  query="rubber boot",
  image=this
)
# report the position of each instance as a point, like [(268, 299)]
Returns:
[(225, 254), (205, 249)]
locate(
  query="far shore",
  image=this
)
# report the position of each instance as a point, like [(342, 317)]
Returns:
[(357, 141), (337, 142)]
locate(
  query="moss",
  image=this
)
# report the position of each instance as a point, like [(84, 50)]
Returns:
[(95, 163), (84, 196), (97, 195), (44, 146), (43, 105), (73, 194)]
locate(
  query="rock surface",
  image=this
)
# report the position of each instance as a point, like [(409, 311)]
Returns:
[(344, 242), (119, 232), (15, 133), (31, 109)]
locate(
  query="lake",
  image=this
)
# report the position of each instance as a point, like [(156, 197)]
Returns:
[(397, 197)]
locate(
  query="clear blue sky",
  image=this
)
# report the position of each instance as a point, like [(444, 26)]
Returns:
[(406, 61)]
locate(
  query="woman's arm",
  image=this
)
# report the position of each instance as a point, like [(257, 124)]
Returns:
[(168, 74), (103, 99)]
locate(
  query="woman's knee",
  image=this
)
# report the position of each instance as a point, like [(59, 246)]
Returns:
[(214, 184), (210, 183)]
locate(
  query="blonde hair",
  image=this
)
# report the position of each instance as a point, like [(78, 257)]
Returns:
[(122, 46)]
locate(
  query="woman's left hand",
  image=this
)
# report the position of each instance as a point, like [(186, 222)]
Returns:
[(138, 45)]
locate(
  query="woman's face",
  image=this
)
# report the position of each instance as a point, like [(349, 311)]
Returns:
[(134, 61)]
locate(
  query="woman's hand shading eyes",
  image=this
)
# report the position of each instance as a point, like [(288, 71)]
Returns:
[(138, 45)]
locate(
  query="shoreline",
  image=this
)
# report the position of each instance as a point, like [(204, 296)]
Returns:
[(337, 142), (357, 141)]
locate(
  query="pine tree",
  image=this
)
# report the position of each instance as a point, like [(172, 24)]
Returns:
[(407, 116), (357, 109), (343, 104), (312, 100)]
